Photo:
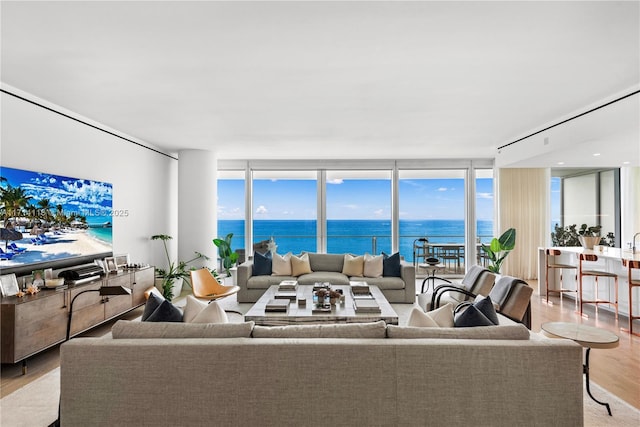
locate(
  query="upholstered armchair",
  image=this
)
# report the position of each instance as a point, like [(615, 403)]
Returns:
[(477, 281)]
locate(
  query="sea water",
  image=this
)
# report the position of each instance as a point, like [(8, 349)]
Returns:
[(352, 236)]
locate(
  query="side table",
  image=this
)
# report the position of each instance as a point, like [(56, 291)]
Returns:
[(588, 337), (431, 275)]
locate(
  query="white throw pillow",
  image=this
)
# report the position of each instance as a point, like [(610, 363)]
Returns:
[(281, 265), (373, 265), (300, 265), (353, 265), (192, 308), (212, 313), (441, 317)]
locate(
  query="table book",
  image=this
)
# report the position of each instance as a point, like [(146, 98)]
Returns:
[(277, 305), (366, 306)]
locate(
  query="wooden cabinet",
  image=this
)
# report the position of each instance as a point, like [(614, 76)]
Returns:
[(36, 322)]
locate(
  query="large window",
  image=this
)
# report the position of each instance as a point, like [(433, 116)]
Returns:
[(285, 209), (358, 211)]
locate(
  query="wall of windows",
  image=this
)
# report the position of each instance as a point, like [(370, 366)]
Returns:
[(351, 208)]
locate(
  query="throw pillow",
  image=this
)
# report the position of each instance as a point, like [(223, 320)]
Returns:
[(373, 265), (353, 265), (153, 302), (300, 265), (281, 265), (192, 308), (471, 317), (486, 307), (212, 313), (391, 265), (261, 264), (166, 312), (441, 317)]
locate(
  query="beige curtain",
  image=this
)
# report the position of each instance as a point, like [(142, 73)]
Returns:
[(523, 198)]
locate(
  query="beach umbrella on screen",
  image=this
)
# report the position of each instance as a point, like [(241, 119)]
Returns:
[(7, 234)]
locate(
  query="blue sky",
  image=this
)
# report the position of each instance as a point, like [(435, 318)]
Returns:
[(354, 199)]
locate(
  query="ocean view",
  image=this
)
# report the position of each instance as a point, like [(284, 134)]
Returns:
[(353, 236)]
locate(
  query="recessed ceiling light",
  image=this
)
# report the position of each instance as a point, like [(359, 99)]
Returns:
[(561, 163), (625, 163), (596, 154)]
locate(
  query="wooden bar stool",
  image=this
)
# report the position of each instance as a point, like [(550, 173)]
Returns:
[(551, 264), (632, 265), (595, 274)]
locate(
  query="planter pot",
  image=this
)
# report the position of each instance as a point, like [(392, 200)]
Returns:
[(588, 242), (234, 275), (176, 288)]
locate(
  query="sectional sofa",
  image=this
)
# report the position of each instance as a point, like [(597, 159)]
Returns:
[(168, 374), (397, 285)]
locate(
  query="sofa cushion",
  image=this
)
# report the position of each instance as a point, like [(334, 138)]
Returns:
[(391, 265), (165, 312), (385, 282), (440, 317), (506, 332), (348, 330), (153, 302), (300, 265), (263, 282), (353, 265), (261, 264), (326, 262), (197, 311), (373, 265), (336, 279), (130, 329), (281, 265)]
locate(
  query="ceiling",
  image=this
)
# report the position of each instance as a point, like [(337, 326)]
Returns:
[(330, 80)]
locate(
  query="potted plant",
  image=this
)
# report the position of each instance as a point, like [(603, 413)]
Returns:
[(589, 236), (176, 273), (499, 248), (225, 253)]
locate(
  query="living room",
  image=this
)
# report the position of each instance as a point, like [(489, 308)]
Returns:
[(155, 99)]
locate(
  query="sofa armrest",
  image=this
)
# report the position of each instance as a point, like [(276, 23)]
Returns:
[(408, 275), (245, 270)]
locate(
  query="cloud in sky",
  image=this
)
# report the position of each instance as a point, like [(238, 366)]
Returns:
[(442, 189), (261, 210), (378, 212), (484, 196), (335, 181), (351, 206)]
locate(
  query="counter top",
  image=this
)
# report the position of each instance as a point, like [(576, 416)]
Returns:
[(607, 252)]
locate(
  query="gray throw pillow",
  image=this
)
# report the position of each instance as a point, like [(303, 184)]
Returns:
[(166, 312), (153, 302)]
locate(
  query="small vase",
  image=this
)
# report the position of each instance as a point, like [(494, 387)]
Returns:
[(588, 242)]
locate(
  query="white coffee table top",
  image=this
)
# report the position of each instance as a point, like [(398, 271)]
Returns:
[(340, 313)]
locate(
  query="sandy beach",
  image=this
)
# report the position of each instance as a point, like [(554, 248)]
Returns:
[(67, 244)]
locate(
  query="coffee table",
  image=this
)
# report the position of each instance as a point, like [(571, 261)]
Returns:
[(340, 313), (588, 337)]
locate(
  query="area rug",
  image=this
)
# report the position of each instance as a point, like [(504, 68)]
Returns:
[(36, 404)]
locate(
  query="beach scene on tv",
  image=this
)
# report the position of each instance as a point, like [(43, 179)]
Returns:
[(46, 217)]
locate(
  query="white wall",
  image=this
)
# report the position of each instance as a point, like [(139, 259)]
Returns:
[(144, 182)]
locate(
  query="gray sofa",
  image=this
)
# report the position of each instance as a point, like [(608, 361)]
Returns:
[(328, 268), (367, 374)]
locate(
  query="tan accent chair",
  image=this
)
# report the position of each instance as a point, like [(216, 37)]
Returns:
[(582, 272), (551, 264), (205, 286), (632, 265)]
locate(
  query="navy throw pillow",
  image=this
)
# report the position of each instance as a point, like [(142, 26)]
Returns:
[(261, 264), (470, 317), (485, 306), (391, 265), (153, 302), (166, 312)]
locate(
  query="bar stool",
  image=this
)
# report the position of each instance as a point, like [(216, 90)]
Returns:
[(631, 265), (551, 264), (596, 274)]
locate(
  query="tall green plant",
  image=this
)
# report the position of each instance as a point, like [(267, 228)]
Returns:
[(226, 254), (499, 248), (175, 269)]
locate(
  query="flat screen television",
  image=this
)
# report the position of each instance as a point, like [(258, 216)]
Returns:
[(52, 221)]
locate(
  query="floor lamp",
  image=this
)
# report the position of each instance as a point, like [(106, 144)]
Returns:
[(104, 291)]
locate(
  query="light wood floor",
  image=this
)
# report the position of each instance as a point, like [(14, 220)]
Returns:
[(617, 370)]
